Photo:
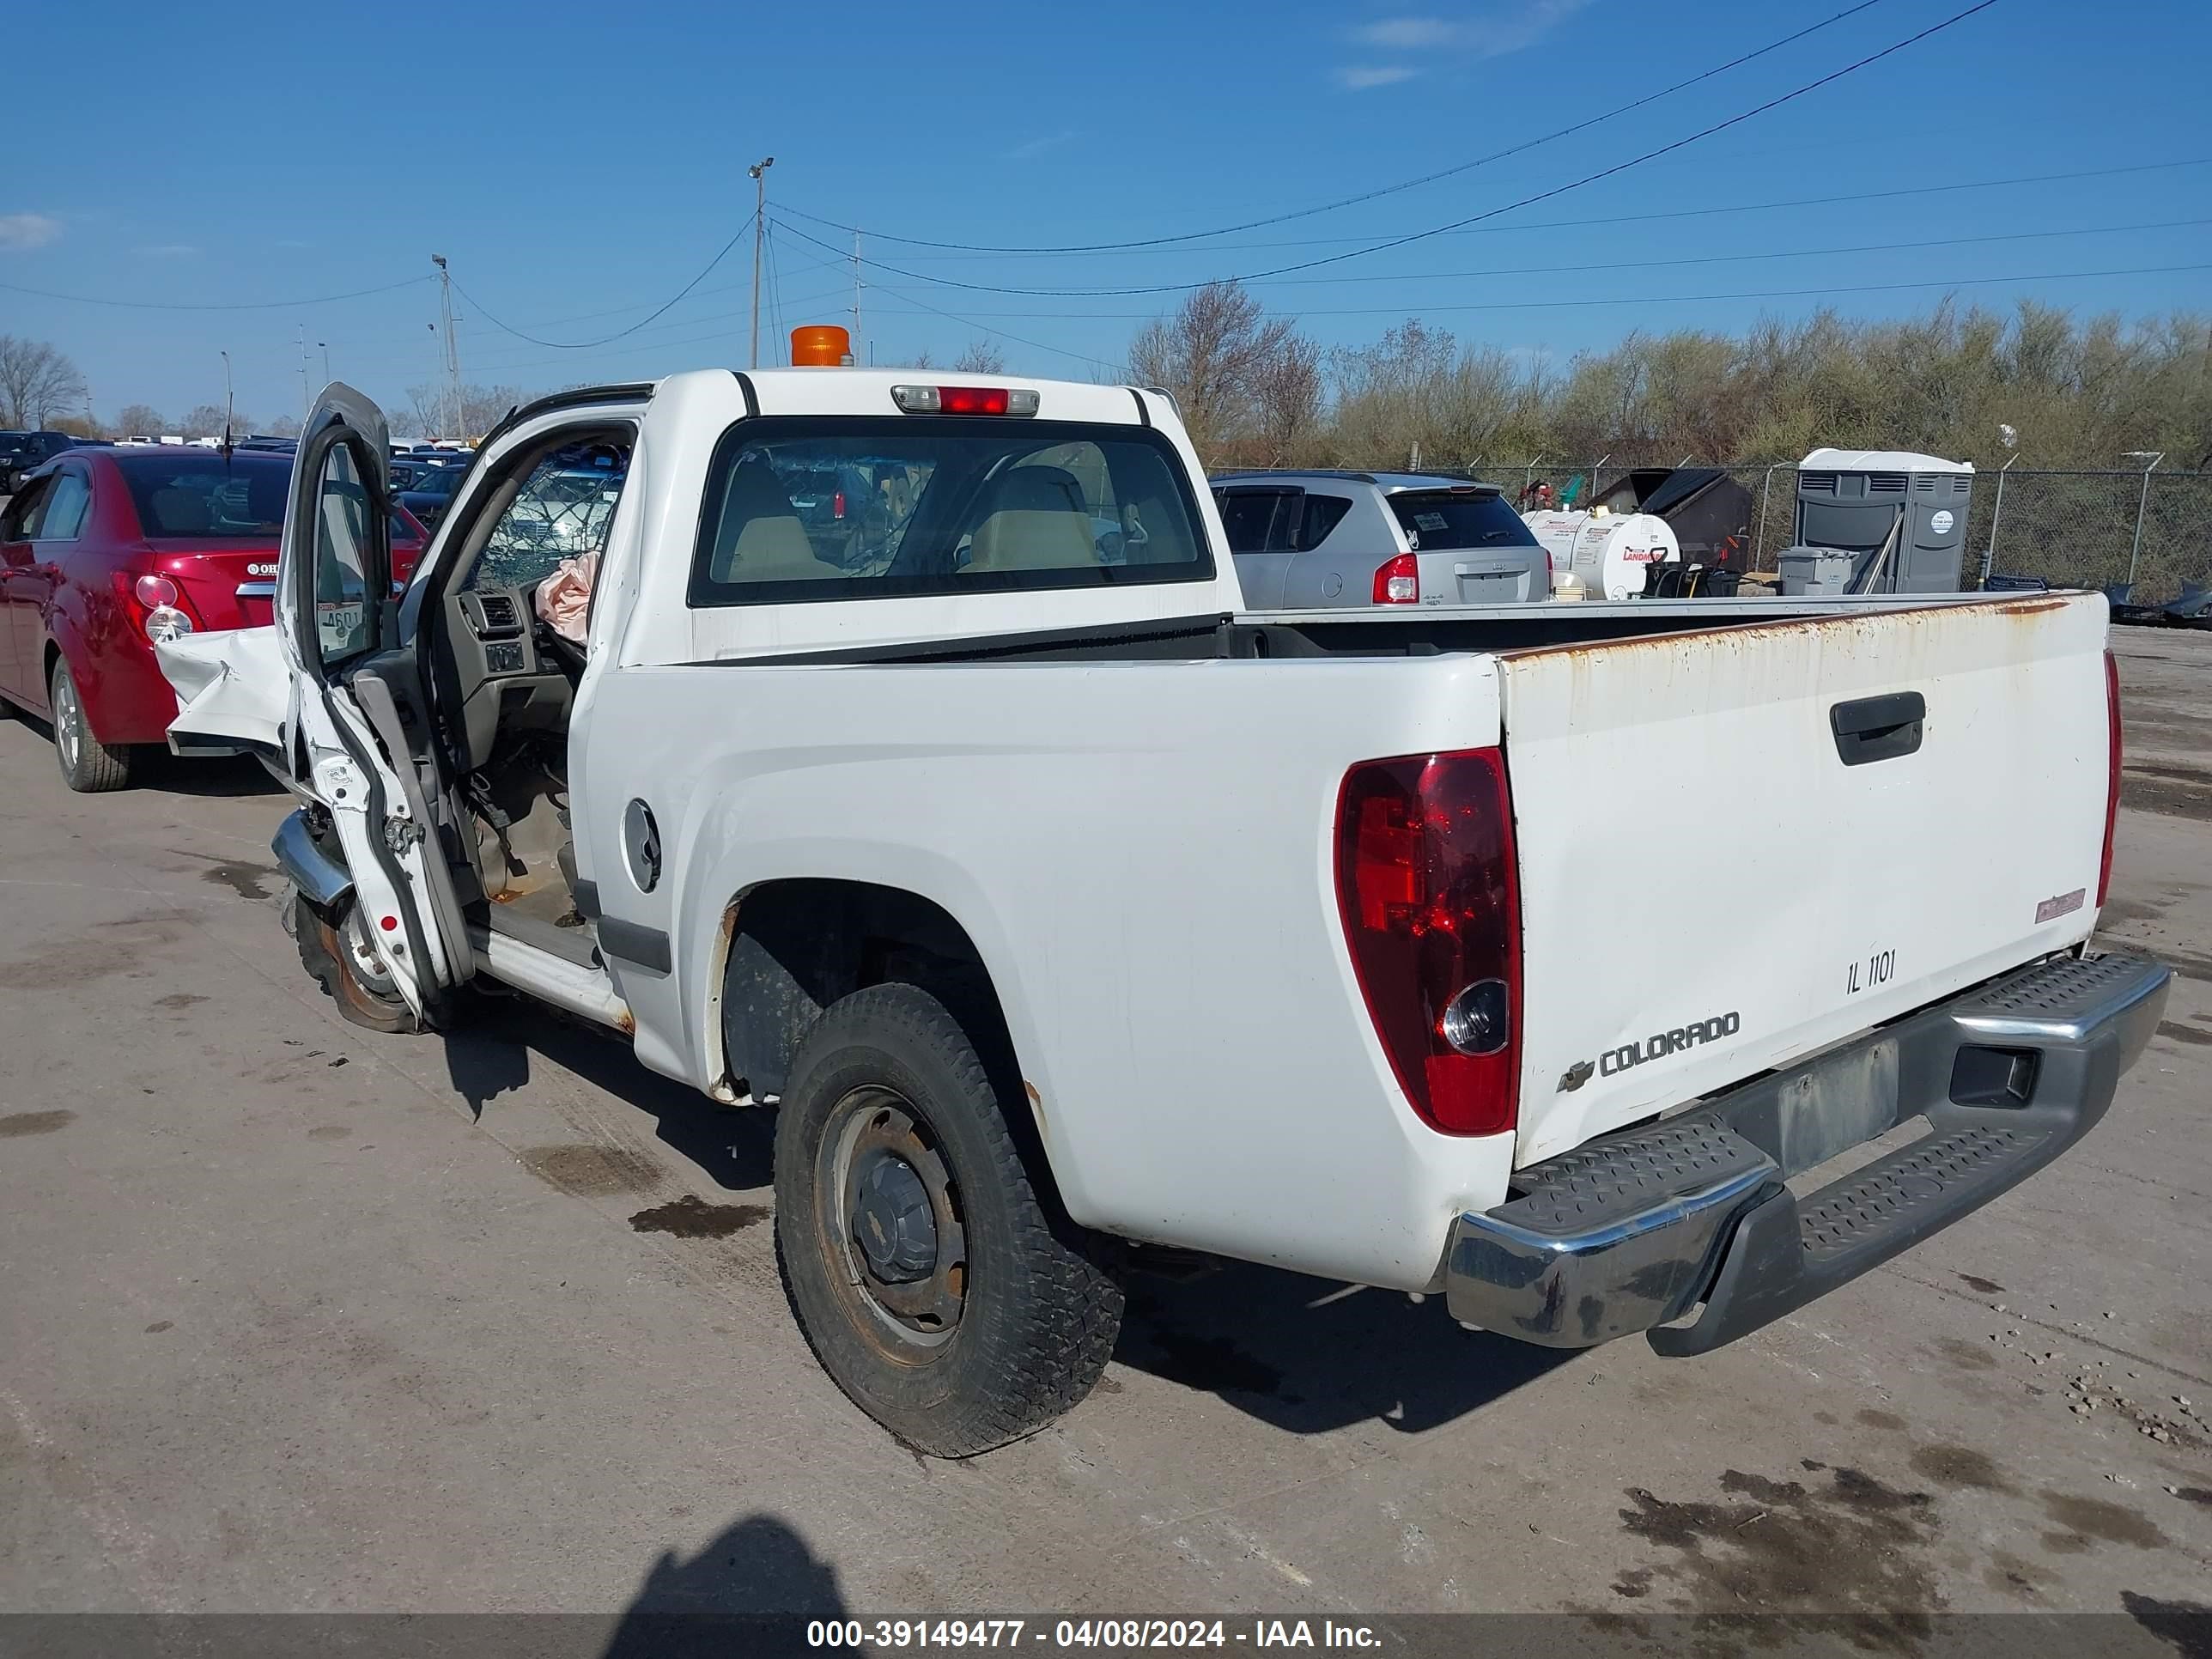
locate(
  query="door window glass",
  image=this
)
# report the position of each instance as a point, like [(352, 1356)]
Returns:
[(1324, 514), (345, 621), (65, 508), (562, 510), (1258, 520), (27, 512)]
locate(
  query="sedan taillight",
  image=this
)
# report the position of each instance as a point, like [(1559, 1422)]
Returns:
[(155, 605), (1428, 888)]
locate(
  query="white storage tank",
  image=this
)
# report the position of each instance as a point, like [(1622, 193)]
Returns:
[(1609, 553)]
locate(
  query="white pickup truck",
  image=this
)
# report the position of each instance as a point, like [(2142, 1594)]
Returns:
[(1054, 901)]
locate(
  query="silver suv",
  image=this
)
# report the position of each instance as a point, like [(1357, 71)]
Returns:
[(1308, 540)]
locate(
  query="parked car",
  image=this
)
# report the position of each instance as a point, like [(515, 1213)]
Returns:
[(427, 491), (107, 549), (1057, 903), (22, 451), (1310, 539)]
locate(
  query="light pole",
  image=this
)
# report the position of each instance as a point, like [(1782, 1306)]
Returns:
[(452, 348), (228, 401), (325, 346), (759, 173), (2153, 456)]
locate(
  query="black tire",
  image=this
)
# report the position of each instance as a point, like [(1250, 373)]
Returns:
[(89, 766), (1033, 1317), (336, 964)]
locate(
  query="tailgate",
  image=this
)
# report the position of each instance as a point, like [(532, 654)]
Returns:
[(1709, 889)]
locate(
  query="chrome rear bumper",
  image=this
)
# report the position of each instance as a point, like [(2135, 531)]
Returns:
[(1633, 1232)]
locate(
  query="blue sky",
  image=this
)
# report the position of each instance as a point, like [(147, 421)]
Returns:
[(579, 165)]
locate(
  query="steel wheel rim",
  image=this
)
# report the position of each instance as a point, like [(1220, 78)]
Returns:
[(914, 1319), (368, 968), (65, 718)]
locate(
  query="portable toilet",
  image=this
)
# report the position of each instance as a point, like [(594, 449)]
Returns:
[(1863, 502)]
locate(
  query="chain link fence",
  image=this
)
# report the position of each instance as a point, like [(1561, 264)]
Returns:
[(2078, 528)]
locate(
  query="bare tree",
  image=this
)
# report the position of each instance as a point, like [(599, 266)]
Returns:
[(36, 383), (1287, 399), (1212, 354), (205, 422), (284, 426), (431, 414), (138, 421), (982, 357)]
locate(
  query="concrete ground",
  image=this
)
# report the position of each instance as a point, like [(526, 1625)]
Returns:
[(294, 1316)]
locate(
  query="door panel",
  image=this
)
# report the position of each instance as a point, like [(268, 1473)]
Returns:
[(21, 592), (335, 612)]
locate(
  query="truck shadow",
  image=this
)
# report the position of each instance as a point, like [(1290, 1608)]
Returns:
[(1308, 1355), (490, 1055)]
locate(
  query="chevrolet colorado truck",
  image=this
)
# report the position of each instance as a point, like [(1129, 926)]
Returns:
[(1058, 903)]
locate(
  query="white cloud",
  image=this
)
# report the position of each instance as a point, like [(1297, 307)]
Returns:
[(1038, 146), (1408, 34), (1492, 32), (19, 231), (1360, 77)]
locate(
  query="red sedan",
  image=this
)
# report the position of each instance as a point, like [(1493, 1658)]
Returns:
[(105, 550)]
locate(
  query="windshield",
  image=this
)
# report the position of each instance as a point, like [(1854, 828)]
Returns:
[(889, 508), (198, 493), (1446, 519)]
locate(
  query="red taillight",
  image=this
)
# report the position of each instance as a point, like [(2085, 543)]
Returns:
[(156, 607), (2112, 776), (972, 399), (1426, 883), (965, 399), (837, 505), (1399, 582)]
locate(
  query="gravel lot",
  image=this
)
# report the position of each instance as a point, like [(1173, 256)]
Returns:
[(294, 1316)]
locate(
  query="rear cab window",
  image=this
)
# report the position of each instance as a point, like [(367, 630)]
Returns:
[(813, 508), (1446, 520)]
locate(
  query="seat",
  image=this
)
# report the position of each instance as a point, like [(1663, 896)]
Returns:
[(1034, 519), (181, 513), (760, 537)]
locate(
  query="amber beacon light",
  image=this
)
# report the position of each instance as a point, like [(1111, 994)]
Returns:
[(821, 345)]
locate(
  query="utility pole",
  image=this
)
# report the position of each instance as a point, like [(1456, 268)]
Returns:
[(306, 398), (325, 346), (759, 173), (856, 296), (456, 416), (228, 400)]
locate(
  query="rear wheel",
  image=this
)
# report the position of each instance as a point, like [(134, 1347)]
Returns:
[(929, 1276), (335, 948), (89, 766)]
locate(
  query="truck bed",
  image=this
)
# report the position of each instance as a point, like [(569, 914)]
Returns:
[(1371, 631)]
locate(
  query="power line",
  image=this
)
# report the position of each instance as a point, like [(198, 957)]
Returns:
[(586, 345), (1612, 112), (1739, 259), (237, 305), (1774, 103), (660, 345), (1636, 299), (844, 259), (1695, 212)]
